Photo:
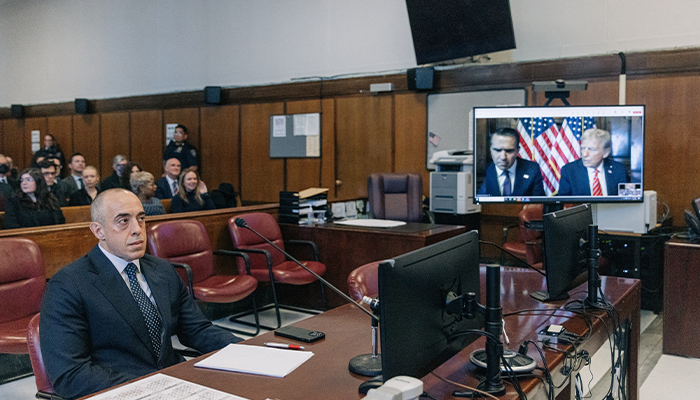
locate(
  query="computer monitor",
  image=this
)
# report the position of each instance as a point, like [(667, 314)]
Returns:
[(565, 241), (413, 287), (552, 153)]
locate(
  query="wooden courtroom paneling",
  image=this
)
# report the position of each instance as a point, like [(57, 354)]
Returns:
[(220, 146), (86, 140), (147, 135), (62, 130), (364, 142), (303, 173), (115, 139), (328, 147), (13, 140), (410, 136), (262, 177), (188, 117), (31, 124)]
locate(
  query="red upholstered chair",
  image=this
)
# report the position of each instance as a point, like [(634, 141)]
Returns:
[(528, 247), (186, 244), (22, 284), (396, 196), (364, 281), (267, 264), (43, 384)]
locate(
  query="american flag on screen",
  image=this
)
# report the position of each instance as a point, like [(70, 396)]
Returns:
[(538, 136), (567, 147)]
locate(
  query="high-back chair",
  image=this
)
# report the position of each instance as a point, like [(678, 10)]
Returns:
[(396, 196), (43, 384), (364, 281), (267, 264), (528, 246), (22, 285), (186, 244)]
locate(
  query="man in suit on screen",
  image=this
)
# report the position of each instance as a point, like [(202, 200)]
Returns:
[(508, 174), (594, 173)]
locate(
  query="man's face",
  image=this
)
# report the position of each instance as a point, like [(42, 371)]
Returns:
[(49, 175), (504, 151), (48, 141), (90, 178), (592, 152), (77, 164), (180, 135), (120, 167), (172, 168), (124, 229)]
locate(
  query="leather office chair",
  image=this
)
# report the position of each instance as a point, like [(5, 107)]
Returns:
[(528, 246), (267, 264), (22, 285), (43, 384), (364, 281), (396, 196), (186, 244)]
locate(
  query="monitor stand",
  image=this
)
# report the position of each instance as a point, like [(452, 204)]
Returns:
[(544, 297)]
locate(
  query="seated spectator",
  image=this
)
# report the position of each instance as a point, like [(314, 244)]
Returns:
[(142, 183), (50, 172), (33, 204), (114, 180), (85, 195), (7, 184), (130, 168), (167, 187), (190, 197)]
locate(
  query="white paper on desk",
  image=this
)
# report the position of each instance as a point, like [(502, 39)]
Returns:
[(256, 360), (372, 223), (161, 387)]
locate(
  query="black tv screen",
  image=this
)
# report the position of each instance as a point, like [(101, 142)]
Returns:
[(559, 154), (449, 29)]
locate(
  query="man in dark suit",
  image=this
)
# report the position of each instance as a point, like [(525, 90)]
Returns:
[(166, 187), (508, 174), (7, 184), (107, 317), (594, 173), (73, 182)]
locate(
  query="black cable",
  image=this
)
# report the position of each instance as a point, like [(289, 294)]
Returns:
[(513, 255)]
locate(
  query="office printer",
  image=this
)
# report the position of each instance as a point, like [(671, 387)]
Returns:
[(451, 185)]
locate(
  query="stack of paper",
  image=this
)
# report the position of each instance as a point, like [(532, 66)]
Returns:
[(256, 360)]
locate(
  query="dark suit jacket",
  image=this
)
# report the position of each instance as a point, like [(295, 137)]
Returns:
[(528, 180), (19, 216), (93, 335), (67, 187), (111, 182), (163, 190), (574, 178), (80, 198)]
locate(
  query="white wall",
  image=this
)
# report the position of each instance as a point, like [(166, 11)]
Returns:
[(58, 50)]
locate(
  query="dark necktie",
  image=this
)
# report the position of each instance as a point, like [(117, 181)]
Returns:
[(175, 189), (506, 184), (149, 311), (80, 183)]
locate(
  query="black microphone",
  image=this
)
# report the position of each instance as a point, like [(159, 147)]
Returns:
[(240, 222)]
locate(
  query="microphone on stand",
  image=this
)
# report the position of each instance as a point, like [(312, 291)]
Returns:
[(240, 222)]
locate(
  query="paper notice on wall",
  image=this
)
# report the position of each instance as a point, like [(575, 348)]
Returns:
[(279, 126), (169, 133), (313, 146), (36, 141)]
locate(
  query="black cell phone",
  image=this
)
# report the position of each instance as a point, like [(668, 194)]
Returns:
[(300, 334)]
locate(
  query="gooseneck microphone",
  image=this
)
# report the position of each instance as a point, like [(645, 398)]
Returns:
[(240, 222)]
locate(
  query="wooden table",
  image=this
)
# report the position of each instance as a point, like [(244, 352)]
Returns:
[(326, 375), (343, 248), (681, 298)]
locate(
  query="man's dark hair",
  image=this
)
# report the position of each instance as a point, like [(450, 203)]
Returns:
[(70, 160), (508, 132), (47, 163), (183, 127)]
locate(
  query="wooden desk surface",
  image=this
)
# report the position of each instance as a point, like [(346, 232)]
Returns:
[(326, 375)]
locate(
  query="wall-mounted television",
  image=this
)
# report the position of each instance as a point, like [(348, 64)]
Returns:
[(591, 154), (450, 29)]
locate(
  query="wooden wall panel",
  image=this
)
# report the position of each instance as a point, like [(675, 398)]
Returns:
[(115, 139), (86, 140), (328, 147), (31, 124), (262, 178), (220, 150), (146, 129), (303, 173), (62, 130), (410, 136), (190, 118), (13, 141), (364, 142)]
